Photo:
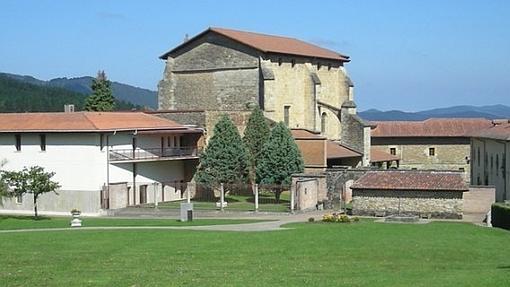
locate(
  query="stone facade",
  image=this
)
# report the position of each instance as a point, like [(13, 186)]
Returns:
[(430, 204), (212, 72), (414, 153)]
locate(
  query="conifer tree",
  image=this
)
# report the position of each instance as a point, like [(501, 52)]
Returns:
[(255, 136), (102, 98), (224, 159), (280, 158)]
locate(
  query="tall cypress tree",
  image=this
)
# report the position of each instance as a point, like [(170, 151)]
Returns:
[(102, 98), (280, 158), (224, 159), (255, 136)]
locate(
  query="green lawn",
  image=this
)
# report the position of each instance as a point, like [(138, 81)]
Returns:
[(22, 222), (267, 203), (311, 254)]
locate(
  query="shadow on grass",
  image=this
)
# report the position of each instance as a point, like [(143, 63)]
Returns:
[(504, 267), (23, 217)]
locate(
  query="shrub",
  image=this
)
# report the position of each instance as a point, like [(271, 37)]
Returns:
[(355, 219), (500, 215), (311, 219), (336, 217)]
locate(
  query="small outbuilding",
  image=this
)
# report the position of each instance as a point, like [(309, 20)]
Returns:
[(428, 194)]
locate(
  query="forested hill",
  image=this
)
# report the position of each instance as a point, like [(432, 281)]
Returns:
[(21, 96), (124, 92)]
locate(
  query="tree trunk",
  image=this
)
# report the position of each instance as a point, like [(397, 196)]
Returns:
[(277, 194), (35, 206)]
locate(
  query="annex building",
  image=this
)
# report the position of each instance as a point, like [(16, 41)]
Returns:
[(490, 153), (102, 160), (433, 144)]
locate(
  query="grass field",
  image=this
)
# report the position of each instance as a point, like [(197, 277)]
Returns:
[(25, 222), (267, 203), (318, 254)]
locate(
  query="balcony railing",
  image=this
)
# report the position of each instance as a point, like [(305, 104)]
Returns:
[(152, 153)]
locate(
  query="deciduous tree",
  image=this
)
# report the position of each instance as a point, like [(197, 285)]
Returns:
[(33, 180)]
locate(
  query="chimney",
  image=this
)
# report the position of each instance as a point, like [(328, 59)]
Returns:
[(69, 108), (186, 38)]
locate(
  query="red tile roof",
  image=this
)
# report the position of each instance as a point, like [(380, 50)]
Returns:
[(336, 150), (305, 134), (500, 131), (411, 180), (377, 155), (84, 122), (271, 44), (436, 127)]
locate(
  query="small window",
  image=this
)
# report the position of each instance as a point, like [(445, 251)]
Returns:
[(19, 199), (101, 141), (18, 142), (393, 151), (42, 137), (286, 115), (432, 151), (462, 169), (323, 122), (478, 156)]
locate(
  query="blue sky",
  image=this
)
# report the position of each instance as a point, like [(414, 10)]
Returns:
[(408, 55)]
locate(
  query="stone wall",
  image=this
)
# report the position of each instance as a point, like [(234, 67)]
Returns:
[(336, 179), (450, 153), (430, 204), (212, 73)]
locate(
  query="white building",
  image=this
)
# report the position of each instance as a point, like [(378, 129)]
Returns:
[(102, 160), (490, 154)]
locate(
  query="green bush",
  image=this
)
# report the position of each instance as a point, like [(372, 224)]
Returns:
[(311, 219), (500, 215), (336, 217)]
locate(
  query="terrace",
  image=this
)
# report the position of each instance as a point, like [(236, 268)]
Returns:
[(152, 154)]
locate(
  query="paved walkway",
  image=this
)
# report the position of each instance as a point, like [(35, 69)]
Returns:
[(276, 224)]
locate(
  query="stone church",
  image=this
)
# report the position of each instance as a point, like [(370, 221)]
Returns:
[(229, 71)]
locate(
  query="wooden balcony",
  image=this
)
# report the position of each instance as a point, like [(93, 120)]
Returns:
[(152, 154)]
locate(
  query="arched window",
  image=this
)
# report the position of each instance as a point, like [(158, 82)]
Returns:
[(323, 122)]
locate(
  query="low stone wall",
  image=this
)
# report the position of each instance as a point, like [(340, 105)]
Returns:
[(430, 204)]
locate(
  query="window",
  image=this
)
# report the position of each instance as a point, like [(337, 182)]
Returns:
[(478, 156), (101, 141), (18, 142), (462, 169), (432, 151), (323, 122), (393, 151), (492, 162), (42, 137), (19, 199), (497, 164), (286, 115), (143, 194)]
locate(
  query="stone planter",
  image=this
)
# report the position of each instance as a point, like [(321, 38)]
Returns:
[(76, 221)]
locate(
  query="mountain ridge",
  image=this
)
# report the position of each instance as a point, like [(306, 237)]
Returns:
[(497, 111), (136, 95)]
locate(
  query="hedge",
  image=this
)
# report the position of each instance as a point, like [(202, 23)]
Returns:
[(500, 215)]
